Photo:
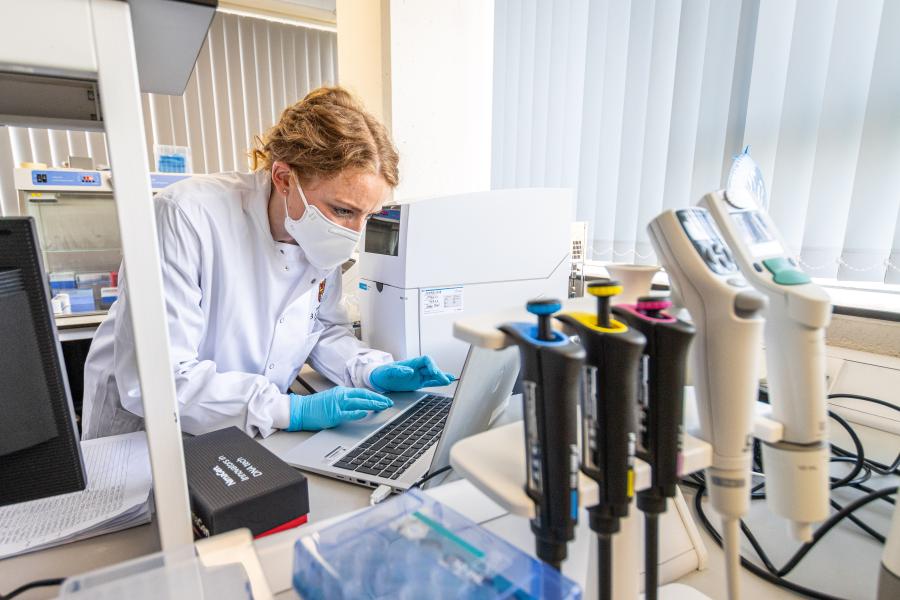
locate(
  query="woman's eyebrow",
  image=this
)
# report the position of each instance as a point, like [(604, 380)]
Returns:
[(337, 203)]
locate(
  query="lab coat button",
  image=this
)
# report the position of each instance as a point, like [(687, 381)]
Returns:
[(287, 268), (281, 320), (271, 366)]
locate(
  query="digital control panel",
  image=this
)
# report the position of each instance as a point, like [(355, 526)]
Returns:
[(66, 178), (702, 231)]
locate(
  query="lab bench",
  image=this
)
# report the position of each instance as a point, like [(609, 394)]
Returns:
[(826, 568)]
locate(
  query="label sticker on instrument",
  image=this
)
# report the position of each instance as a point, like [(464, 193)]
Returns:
[(442, 300)]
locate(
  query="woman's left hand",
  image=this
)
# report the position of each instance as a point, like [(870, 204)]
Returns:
[(409, 375)]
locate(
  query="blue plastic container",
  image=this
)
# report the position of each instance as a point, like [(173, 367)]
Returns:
[(414, 547), (82, 300)]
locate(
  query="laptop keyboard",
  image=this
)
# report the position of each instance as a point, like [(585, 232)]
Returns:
[(392, 449)]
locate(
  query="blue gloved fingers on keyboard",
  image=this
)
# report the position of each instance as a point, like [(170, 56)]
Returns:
[(358, 399), (430, 373), (409, 375), (333, 407), (353, 415)]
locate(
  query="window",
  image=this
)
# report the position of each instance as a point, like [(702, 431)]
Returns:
[(640, 106)]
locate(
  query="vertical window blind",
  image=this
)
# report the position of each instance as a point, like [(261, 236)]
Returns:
[(641, 105), (247, 72)]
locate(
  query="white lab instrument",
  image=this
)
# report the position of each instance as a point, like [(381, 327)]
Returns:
[(798, 311), (236, 355), (427, 263), (75, 214), (726, 312), (90, 55)]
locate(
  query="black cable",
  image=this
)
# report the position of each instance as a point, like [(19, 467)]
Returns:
[(651, 554), (31, 585), (827, 525), (884, 403), (856, 521), (860, 454), (761, 573), (771, 570), (856, 477), (874, 465), (428, 476), (879, 468), (868, 490), (604, 564)]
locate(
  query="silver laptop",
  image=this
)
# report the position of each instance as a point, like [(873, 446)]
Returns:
[(401, 445)]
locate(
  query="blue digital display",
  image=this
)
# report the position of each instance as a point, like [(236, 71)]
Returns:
[(390, 214), (67, 178)]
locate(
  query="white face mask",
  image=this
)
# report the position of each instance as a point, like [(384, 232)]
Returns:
[(325, 243)]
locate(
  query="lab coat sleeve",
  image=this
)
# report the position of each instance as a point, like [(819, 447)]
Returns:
[(207, 399), (338, 355)]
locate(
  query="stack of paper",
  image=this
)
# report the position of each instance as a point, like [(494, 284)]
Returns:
[(117, 497)]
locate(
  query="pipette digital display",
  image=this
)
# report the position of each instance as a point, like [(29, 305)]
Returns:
[(797, 477)]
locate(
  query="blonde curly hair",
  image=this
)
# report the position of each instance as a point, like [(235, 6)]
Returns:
[(326, 133)]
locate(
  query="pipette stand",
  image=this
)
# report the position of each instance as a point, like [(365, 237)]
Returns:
[(494, 462)]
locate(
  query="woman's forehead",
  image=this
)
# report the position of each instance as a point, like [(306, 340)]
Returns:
[(362, 190)]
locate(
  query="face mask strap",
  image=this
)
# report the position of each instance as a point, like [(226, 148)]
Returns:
[(302, 195), (303, 199)]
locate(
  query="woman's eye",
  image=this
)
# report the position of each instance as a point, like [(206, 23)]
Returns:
[(342, 212)]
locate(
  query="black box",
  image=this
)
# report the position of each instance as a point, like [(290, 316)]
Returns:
[(234, 482)]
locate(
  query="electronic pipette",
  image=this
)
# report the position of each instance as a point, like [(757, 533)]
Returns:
[(661, 402), (551, 372), (725, 360), (798, 311), (608, 416)]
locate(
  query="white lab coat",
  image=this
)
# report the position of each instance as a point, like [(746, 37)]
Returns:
[(244, 314)]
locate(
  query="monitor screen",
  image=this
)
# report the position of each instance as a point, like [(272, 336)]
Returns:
[(40, 454)]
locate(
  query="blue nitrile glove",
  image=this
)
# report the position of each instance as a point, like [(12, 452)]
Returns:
[(409, 375), (333, 407)]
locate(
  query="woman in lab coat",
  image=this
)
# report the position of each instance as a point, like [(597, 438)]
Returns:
[(251, 265)]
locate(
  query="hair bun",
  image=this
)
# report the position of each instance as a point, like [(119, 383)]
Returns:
[(331, 96), (326, 133)]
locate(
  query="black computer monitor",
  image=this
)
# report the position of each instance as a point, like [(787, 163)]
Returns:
[(40, 454)]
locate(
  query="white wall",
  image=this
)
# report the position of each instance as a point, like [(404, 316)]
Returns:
[(363, 50), (436, 62), (442, 80)]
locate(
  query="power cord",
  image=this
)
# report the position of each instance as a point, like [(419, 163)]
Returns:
[(430, 476), (31, 585), (858, 475), (771, 573)]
